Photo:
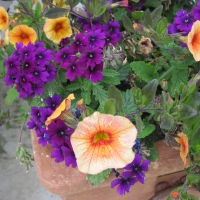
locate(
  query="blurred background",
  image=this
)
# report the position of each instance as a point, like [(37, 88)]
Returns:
[(15, 182)]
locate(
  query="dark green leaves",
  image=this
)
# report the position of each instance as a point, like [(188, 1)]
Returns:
[(12, 94), (128, 25), (55, 12), (109, 106), (167, 121)]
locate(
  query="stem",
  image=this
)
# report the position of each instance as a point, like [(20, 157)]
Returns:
[(166, 73), (21, 130)]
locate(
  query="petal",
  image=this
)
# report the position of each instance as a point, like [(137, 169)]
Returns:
[(145, 165), (140, 176), (115, 182)]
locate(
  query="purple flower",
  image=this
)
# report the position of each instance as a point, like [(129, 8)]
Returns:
[(63, 55), (24, 81), (37, 88), (183, 21), (53, 102), (79, 44), (124, 184), (172, 29), (94, 73), (43, 56), (74, 69), (196, 11), (136, 168), (59, 132), (91, 57), (111, 38), (12, 64), (57, 153), (43, 137), (69, 155), (35, 113), (27, 51), (96, 38), (137, 145), (113, 28), (64, 42), (28, 64), (11, 78), (51, 70), (44, 114), (39, 74)]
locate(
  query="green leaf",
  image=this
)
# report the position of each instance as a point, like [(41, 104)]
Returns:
[(139, 124), (86, 95), (187, 112), (94, 180), (128, 106), (37, 101), (38, 9), (118, 14), (153, 154), (128, 25), (12, 94), (123, 72), (147, 130), (73, 86), (114, 93), (196, 138), (167, 121), (136, 15), (109, 106), (188, 197), (150, 3), (111, 81), (193, 178), (110, 73), (99, 93), (55, 12), (87, 84), (144, 71), (149, 91), (156, 14), (146, 19)]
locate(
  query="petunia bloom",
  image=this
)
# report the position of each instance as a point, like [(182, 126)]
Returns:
[(193, 40), (103, 141), (184, 147), (57, 29), (22, 33), (63, 107), (3, 19)]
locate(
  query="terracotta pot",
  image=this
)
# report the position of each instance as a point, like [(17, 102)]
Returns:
[(71, 184)]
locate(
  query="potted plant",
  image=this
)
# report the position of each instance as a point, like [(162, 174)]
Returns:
[(105, 82)]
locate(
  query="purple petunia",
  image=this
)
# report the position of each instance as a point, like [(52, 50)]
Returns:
[(53, 102), (196, 11), (124, 184), (79, 43), (136, 168)]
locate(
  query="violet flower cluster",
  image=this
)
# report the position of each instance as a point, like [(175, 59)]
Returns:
[(83, 57), (133, 173), (183, 21), (58, 133), (30, 68)]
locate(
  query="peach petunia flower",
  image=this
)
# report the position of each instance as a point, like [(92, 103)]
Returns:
[(184, 147), (193, 40), (57, 29), (174, 194), (62, 108), (4, 19), (103, 141), (22, 33)]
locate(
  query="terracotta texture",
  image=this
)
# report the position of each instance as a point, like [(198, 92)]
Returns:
[(71, 184)]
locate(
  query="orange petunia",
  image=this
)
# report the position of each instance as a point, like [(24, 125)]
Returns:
[(4, 19), (174, 194), (22, 33), (103, 141), (57, 29), (184, 147), (193, 40), (63, 107)]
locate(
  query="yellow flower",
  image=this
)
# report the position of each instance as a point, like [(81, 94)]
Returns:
[(193, 40), (103, 141), (3, 19), (62, 108), (57, 29), (22, 33), (59, 3), (184, 147)]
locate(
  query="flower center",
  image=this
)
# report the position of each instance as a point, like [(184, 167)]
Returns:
[(101, 137), (57, 27), (24, 35)]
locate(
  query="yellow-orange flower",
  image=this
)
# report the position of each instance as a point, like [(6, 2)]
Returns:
[(63, 107), (174, 194), (3, 19), (184, 147), (59, 3), (22, 33), (193, 40), (103, 141), (57, 29)]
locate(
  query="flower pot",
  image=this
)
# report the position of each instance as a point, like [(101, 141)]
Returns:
[(71, 184)]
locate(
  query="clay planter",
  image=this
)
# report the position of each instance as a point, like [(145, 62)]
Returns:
[(71, 184)]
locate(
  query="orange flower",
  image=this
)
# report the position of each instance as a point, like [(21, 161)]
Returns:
[(174, 194), (3, 19), (59, 3), (184, 147), (22, 33), (57, 29), (62, 108), (103, 141), (193, 40)]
